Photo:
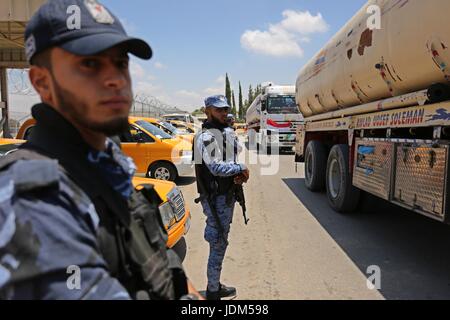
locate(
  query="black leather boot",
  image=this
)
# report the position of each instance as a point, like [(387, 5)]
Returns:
[(227, 292), (212, 295)]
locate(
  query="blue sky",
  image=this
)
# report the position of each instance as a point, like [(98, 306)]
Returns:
[(196, 42)]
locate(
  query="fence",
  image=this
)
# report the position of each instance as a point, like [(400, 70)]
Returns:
[(149, 106)]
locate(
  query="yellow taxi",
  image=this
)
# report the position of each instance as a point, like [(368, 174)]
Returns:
[(170, 129), (183, 126), (9, 145), (174, 211), (156, 153)]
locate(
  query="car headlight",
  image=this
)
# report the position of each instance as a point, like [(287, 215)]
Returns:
[(167, 214)]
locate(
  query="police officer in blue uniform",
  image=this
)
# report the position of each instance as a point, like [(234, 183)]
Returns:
[(217, 170), (68, 209)]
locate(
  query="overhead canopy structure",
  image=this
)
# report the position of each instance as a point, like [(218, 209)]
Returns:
[(14, 16)]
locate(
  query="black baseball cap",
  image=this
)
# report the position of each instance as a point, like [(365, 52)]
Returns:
[(81, 27)]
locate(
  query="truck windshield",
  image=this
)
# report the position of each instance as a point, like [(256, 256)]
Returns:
[(281, 105), (157, 132)]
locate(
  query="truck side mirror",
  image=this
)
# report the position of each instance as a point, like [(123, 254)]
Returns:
[(263, 105)]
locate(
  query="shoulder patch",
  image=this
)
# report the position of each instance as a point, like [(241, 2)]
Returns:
[(34, 174)]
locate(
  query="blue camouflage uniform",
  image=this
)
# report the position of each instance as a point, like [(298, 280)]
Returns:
[(48, 224), (219, 166)]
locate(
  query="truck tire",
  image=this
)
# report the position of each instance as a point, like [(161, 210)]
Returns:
[(315, 166), (342, 195)]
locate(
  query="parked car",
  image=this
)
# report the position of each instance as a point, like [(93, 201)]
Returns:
[(174, 211), (157, 154), (170, 129), (9, 145), (183, 126)]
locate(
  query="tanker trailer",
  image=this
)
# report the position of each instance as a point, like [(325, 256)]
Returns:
[(376, 103), (272, 118)]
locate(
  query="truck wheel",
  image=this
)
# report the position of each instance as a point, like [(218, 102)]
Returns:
[(163, 171), (342, 195), (315, 166)]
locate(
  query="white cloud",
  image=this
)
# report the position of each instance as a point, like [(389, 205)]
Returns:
[(303, 22), (142, 80), (284, 38), (148, 88), (189, 94), (272, 43), (159, 65)]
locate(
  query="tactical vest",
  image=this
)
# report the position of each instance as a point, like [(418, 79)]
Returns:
[(207, 183), (131, 236)]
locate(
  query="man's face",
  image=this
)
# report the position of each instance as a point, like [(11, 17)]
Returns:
[(93, 92), (218, 114)]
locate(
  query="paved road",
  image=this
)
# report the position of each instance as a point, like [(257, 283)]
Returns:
[(296, 247)]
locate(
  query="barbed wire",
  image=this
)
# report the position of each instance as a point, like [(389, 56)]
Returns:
[(144, 105), (19, 83)]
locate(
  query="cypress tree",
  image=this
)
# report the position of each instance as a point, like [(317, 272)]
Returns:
[(250, 95), (228, 89), (233, 109), (241, 105)]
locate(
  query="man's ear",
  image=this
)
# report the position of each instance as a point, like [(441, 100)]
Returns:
[(41, 80)]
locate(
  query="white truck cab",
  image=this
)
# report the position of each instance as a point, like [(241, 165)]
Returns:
[(273, 118)]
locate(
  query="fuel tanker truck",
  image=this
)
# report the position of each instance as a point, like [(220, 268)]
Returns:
[(273, 117), (376, 102)]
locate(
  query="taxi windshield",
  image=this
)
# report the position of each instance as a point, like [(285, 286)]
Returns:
[(170, 127), (157, 132)]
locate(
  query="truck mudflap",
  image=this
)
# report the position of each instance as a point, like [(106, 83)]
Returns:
[(410, 174)]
